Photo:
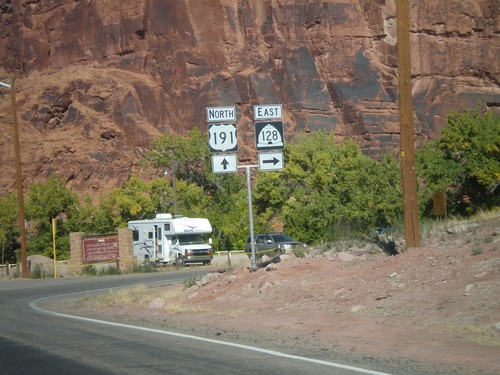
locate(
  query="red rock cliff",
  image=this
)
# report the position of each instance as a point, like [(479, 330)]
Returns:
[(98, 80)]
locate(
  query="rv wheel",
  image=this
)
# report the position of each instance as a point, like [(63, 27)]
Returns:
[(181, 262)]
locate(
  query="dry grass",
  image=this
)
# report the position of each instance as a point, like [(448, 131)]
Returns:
[(137, 294), (437, 230), (141, 295), (172, 304), (482, 334)]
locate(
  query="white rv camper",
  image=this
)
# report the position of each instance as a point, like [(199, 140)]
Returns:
[(165, 239)]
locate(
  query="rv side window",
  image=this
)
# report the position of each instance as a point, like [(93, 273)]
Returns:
[(150, 235), (167, 227), (135, 235)]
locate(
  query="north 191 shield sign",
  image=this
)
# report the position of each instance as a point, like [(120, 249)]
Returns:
[(222, 137)]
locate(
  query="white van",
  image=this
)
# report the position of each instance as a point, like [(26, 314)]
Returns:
[(166, 239)]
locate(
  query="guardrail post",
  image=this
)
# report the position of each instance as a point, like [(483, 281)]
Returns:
[(229, 259)]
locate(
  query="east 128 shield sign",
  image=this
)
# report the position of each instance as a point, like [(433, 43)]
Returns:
[(269, 135), (222, 138)]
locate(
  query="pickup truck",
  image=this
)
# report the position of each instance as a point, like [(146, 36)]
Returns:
[(271, 244)]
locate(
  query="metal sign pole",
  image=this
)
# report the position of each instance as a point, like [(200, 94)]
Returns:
[(250, 215)]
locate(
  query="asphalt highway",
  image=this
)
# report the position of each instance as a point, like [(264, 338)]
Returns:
[(35, 339)]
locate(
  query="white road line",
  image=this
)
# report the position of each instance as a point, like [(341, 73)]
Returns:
[(360, 370)]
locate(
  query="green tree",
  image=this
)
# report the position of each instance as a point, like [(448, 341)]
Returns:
[(224, 203), (130, 202), (191, 199), (47, 201), (437, 173), (329, 190), (270, 194), (473, 140), (191, 156), (228, 211), (85, 218), (464, 162), (9, 228)]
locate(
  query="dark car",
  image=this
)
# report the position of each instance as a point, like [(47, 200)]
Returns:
[(272, 244)]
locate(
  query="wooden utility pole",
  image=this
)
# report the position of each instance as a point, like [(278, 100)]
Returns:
[(174, 183), (19, 180), (406, 124)]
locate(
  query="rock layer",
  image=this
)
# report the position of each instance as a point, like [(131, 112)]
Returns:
[(98, 80)]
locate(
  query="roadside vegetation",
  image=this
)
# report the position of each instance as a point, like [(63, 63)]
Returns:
[(115, 297), (328, 191), (169, 300)]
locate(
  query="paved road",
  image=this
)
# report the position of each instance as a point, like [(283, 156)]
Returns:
[(35, 340)]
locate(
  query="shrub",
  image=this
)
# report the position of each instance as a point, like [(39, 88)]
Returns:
[(142, 268), (188, 283), (37, 272), (89, 270), (110, 271), (299, 252), (477, 250)]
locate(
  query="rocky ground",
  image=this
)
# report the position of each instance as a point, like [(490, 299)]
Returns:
[(438, 304)]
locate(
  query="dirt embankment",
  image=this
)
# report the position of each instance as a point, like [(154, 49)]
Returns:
[(439, 303)]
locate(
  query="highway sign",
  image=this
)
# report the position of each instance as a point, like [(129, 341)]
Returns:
[(222, 137), (267, 112), (221, 114), (271, 161), (225, 163), (269, 135)]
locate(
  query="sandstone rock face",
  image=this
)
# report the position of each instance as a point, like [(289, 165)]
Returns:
[(98, 80)]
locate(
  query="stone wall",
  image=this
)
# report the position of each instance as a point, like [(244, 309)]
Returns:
[(75, 263), (126, 249)]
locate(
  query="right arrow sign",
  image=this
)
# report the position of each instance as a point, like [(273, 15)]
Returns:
[(271, 161)]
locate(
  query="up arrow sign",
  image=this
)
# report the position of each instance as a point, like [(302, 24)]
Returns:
[(224, 163), (271, 161)]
